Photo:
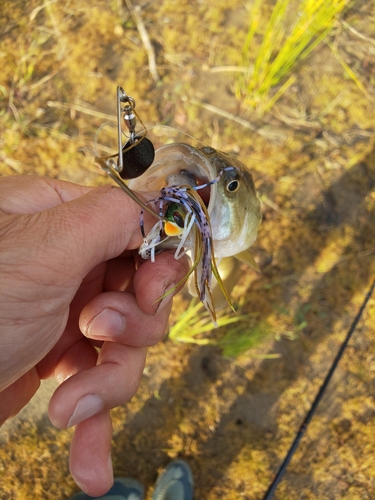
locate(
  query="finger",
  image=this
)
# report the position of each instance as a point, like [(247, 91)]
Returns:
[(151, 280), (119, 274), (18, 394), (105, 221), (116, 317), (93, 228), (109, 384), (26, 194), (81, 233), (79, 357), (154, 279), (90, 455)]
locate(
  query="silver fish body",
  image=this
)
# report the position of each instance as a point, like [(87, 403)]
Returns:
[(232, 204)]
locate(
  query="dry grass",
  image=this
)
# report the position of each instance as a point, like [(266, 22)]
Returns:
[(314, 166)]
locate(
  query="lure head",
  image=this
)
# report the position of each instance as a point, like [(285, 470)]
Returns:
[(174, 223), (231, 202)]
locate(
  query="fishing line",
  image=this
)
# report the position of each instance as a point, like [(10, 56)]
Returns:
[(302, 429)]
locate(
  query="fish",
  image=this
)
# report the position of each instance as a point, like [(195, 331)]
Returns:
[(207, 206)]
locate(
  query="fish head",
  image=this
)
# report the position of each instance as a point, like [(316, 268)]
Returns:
[(233, 206)]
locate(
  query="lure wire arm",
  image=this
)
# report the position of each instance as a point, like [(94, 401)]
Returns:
[(113, 174), (130, 121), (129, 116), (108, 163)]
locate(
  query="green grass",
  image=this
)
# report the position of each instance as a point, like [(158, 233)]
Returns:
[(272, 48), (196, 320), (244, 337), (241, 335)]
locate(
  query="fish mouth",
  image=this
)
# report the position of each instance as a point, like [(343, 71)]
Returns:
[(196, 181), (178, 165)]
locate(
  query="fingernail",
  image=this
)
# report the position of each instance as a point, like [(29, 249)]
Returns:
[(86, 407), (167, 299), (108, 323)]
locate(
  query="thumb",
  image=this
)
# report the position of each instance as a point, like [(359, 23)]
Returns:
[(93, 228), (64, 243)]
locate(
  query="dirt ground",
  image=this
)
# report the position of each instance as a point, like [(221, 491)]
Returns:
[(312, 158)]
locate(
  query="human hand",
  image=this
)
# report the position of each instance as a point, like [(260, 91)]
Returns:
[(66, 286)]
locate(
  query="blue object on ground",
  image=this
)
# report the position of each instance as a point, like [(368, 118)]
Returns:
[(122, 489), (175, 482)]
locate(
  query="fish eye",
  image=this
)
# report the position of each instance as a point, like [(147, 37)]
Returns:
[(233, 186), (179, 220)]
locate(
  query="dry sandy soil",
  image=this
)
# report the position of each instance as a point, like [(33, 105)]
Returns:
[(313, 162)]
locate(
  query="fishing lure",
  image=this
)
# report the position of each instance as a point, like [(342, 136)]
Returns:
[(180, 211), (186, 217)]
